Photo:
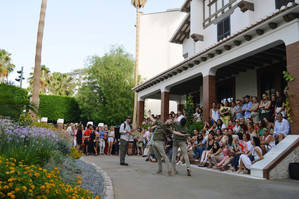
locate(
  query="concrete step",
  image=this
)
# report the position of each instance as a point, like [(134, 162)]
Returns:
[(276, 161)]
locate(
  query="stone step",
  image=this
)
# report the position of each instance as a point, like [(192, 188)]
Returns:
[(276, 161)]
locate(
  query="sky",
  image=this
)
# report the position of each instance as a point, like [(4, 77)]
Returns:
[(74, 30)]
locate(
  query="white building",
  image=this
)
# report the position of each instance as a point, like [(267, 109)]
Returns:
[(231, 48), (157, 53)]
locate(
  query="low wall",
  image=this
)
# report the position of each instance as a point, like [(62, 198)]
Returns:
[(276, 162)]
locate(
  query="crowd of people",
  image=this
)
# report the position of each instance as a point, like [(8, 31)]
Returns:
[(238, 134)]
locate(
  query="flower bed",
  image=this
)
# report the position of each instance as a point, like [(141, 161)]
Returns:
[(18, 180)]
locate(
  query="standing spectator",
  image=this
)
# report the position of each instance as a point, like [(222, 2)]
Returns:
[(225, 113), (280, 104), (125, 131), (264, 107), (86, 138), (281, 127), (246, 107), (111, 137), (139, 138), (79, 136), (214, 113), (93, 141), (102, 140), (272, 107), (169, 147), (254, 110)]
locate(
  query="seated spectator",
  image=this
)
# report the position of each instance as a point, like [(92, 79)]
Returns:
[(238, 110), (199, 145), (267, 141), (243, 124), (220, 124), (281, 127), (264, 107), (237, 127), (219, 135), (251, 131), (168, 147), (246, 160), (236, 151), (209, 146), (215, 156), (227, 154), (231, 125)]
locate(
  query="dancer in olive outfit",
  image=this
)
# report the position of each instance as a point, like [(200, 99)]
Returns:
[(180, 142), (161, 131)]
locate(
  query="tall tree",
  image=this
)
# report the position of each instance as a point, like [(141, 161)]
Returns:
[(137, 4), (107, 96), (5, 65), (37, 67)]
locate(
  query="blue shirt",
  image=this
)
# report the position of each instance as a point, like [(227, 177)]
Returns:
[(239, 114), (102, 135), (246, 108)]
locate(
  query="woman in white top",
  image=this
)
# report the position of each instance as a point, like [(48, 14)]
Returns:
[(267, 141), (246, 160), (214, 113), (111, 136)]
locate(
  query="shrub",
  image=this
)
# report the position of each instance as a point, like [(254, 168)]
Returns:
[(64, 147), (55, 107), (25, 119), (75, 153), (18, 180), (13, 100)]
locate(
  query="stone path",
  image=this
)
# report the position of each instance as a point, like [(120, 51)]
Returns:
[(139, 181)]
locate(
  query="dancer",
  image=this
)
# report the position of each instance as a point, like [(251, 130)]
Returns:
[(180, 142), (162, 130)]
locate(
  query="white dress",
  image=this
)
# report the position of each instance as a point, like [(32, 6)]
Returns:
[(245, 159)]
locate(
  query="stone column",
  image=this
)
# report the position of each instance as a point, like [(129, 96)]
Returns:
[(293, 69), (209, 95), (140, 113), (164, 105)]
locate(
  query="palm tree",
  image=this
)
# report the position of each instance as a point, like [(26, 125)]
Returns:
[(37, 67), (5, 65), (61, 84), (137, 4), (44, 80)]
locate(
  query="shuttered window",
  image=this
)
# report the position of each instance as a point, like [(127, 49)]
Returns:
[(223, 28), (279, 3)]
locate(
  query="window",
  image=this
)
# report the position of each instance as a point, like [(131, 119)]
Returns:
[(223, 28), (280, 3)]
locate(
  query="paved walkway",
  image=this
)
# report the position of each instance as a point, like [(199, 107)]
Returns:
[(139, 181)]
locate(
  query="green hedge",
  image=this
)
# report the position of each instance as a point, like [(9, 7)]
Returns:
[(12, 100), (55, 107)]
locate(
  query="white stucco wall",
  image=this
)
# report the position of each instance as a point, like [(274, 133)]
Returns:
[(156, 52), (246, 84)]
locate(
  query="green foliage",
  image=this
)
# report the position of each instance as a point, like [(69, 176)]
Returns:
[(13, 100), (288, 78), (189, 111), (107, 96), (55, 107), (25, 119)]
